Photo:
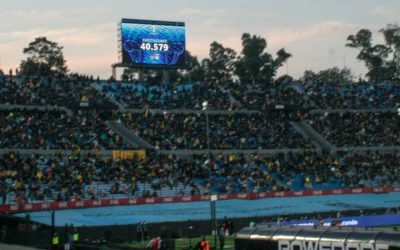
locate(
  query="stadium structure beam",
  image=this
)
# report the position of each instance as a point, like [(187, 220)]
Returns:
[(213, 198)]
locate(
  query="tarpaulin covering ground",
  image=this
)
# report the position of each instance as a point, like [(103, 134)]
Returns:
[(183, 211)]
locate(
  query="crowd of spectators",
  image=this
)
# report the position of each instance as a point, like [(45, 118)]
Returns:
[(374, 169), (236, 131), (228, 96), (346, 129), (59, 178), (33, 129), (82, 127), (354, 95), (76, 177), (262, 98), (71, 92), (169, 96), (311, 170)]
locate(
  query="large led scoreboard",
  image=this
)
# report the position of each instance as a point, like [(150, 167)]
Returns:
[(154, 44)]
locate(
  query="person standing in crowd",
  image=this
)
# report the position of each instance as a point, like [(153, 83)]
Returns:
[(204, 244), (144, 228), (163, 244), (3, 233), (230, 226), (55, 241), (75, 236), (70, 242), (139, 232), (107, 236), (154, 243), (225, 226), (221, 236), (3, 192)]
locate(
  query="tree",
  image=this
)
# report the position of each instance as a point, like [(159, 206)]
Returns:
[(255, 64), (221, 64), (335, 75), (44, 58), (382, 60), (309, 76), (282, 80), (194, 70), (128, 74), (331, 75), (392, 39)]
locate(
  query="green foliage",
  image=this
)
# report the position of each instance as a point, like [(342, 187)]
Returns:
[(195, 72), (255, 64), (44, 58), (128, 74), (331, 75), (220, 66), (382, 60)]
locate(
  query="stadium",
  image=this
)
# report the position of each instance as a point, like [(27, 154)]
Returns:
[(173, 152)]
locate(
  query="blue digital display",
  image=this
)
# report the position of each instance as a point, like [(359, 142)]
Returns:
[(153, 43)]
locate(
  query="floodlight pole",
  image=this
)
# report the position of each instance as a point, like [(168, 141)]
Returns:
[(213, 198)]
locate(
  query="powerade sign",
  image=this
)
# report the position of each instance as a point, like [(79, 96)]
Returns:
[(357, 221), (153, 43), (326, 245)]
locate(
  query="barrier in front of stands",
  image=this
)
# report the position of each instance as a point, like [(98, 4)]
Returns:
[(54, 205)]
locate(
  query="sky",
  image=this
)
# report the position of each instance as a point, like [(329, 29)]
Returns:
[(313, 31)]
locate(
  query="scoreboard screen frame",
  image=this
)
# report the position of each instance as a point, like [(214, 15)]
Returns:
[(171, 54)]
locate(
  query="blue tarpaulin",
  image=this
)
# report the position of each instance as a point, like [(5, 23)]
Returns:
[(183, 211)]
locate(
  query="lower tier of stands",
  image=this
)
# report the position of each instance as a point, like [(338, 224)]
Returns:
[(27, 179)]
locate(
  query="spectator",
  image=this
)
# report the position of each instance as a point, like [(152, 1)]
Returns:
[(204, 244), (221, 237)]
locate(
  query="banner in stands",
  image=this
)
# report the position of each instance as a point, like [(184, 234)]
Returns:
[(25, 207), (128, 154)]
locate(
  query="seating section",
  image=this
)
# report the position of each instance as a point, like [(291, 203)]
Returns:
[(237, 131), (259, 98), (39, 177), (168, 96), (353, 96), (56, 143), (358, 129), (36, 177), (372, 169), (56, 130), (71, 92)]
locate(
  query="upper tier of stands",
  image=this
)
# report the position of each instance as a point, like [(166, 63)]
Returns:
[(353, 96), (169, 96), (32, 129), (68, 92)]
